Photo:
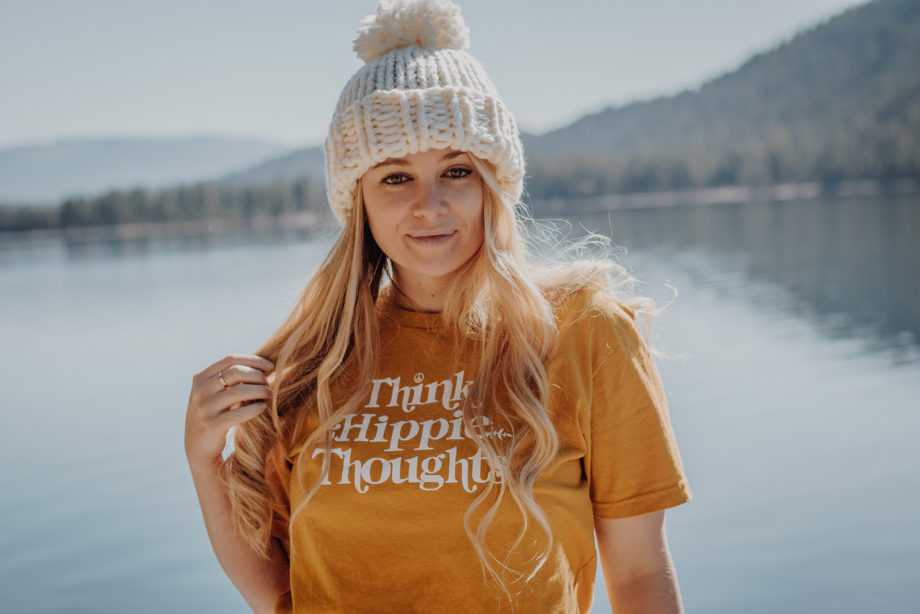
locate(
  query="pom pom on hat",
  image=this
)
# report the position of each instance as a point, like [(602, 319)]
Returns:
[(435, 24)]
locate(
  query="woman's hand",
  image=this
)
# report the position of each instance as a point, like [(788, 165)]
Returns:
[(231, 391)]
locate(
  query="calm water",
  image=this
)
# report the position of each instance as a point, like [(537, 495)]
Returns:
[(793, 393)]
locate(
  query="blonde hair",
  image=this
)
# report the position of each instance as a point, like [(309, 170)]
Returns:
[(498, 299)]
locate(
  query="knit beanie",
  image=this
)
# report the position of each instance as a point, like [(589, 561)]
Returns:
[(419, 89)]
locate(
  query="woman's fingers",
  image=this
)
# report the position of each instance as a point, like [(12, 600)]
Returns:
[(233, 417), (236, 374), (224, 400), (209, 385), (230, 391), (244, 393), (247, 360)]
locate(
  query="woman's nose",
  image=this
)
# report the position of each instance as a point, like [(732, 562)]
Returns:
[(430, 200)]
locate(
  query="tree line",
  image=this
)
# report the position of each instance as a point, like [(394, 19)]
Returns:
[(201, 201), (783, 156)]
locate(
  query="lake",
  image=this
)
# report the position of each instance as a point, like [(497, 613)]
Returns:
[(793, 382)]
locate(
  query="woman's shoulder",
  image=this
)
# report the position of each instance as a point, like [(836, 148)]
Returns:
[(587, 305), (594, 318)]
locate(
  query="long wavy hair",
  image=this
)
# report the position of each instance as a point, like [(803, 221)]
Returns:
[(499, 299)]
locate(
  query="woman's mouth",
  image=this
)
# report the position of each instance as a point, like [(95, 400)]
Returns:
[(432, 239)]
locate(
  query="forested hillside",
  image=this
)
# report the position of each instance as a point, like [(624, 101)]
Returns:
[(840, 101)]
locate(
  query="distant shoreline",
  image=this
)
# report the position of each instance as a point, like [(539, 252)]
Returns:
[(542, 207), (723, 195), (217, 227)]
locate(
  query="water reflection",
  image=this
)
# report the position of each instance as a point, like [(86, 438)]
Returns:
[(849, 264), (28, 250)]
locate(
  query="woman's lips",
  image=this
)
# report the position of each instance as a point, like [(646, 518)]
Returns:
[(432, 239)]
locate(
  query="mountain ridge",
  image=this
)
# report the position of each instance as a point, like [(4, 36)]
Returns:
[(48, 172)]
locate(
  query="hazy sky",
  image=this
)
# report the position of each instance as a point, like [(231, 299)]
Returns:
[(274, 69)]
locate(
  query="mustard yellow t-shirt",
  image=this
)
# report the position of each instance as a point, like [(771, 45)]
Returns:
[(385, 531)]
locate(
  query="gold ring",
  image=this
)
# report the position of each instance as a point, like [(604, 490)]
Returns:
[(220, 376)]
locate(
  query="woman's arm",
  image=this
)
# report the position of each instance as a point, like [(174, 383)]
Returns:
[(227, 393), (260, 581), (638, 570)]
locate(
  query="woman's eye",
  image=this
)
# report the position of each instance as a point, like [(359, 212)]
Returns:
[(458, 173), (394, 179)]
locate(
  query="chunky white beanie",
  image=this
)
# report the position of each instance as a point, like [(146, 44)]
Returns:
[(419, 89)]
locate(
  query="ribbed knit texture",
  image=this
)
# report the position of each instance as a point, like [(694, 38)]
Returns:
[(412, 99)]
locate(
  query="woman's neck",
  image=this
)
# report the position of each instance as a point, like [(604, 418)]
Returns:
[(420, 293)]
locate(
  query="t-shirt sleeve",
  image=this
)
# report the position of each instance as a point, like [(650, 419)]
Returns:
[(278, 478), (634, 466)]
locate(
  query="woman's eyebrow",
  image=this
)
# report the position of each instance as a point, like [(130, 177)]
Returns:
[(404, 162)]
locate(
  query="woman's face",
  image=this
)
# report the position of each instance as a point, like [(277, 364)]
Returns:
[(425, 212)]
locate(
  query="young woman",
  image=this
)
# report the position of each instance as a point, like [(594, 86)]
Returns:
[(441, 425)]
